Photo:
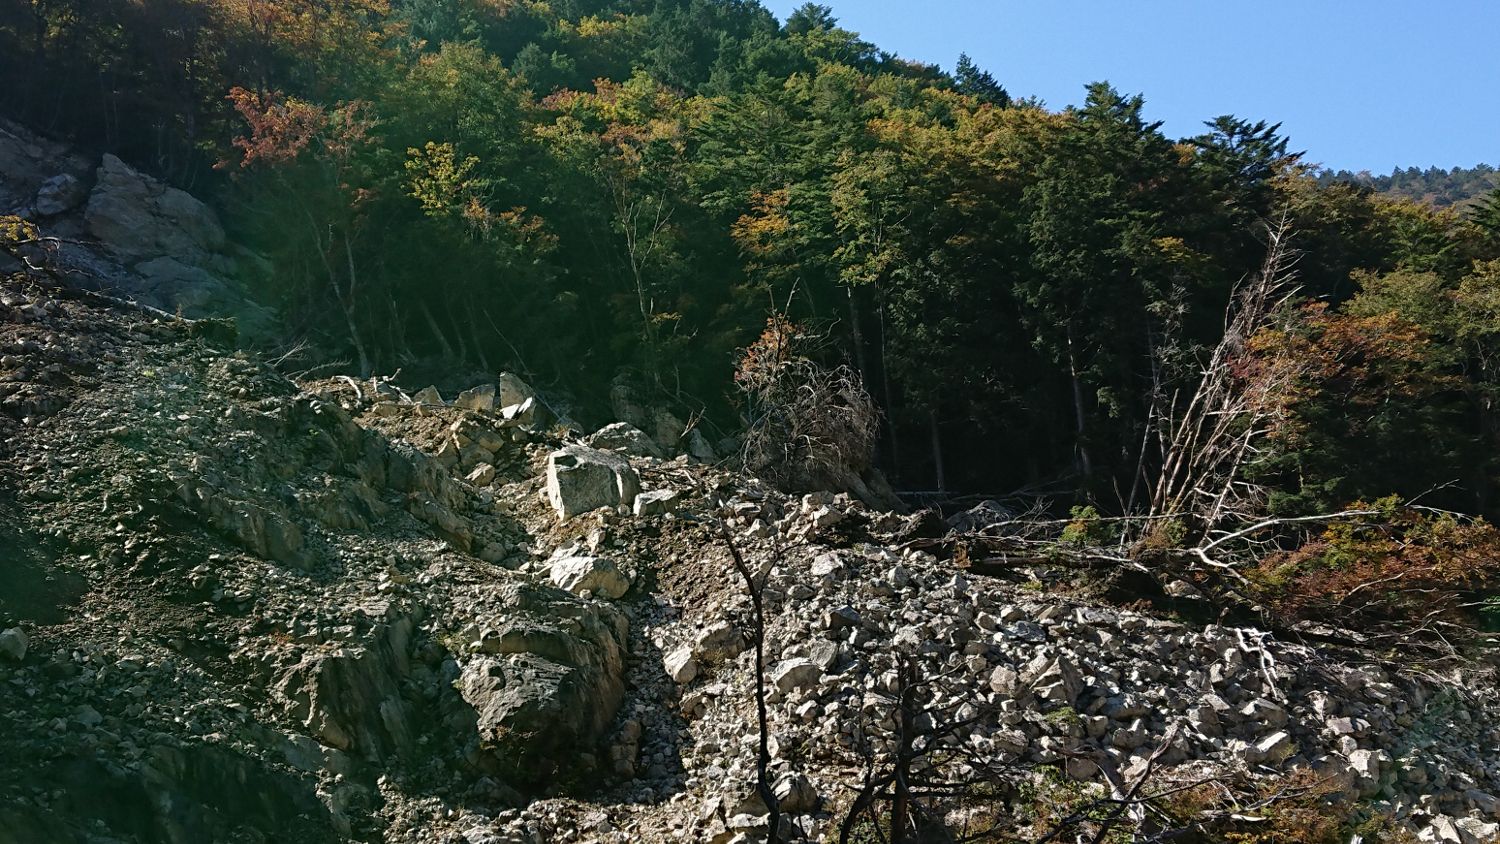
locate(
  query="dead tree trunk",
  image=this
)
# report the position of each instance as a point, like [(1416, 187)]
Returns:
[(1230, 412)]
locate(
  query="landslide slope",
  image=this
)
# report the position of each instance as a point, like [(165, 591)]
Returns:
[(258, 610)]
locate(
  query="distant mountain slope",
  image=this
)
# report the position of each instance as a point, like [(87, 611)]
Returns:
[(1459, 187)]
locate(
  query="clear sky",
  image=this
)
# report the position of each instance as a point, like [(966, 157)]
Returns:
[(1358, 84)]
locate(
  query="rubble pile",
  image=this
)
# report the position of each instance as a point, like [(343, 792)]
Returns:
[(237, 607)]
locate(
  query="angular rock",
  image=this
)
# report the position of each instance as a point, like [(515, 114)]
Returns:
[(795, 794), (826, 564), (598, 575), (447, 524), (523, 413), (698, 446), (793, 674), (13, 644), (1348, 726), (1055, 678), (624, 438), (60, 194), (841, 617), (478, 398), (681, 666), (350, 697), (656, 502), (511, 390), (1274, 747), (430, 396), (558, 686), (1004, 680), (718, 642), (582, 479), (482, 475)]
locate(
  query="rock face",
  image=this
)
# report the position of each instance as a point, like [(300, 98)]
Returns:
[(581, 479), (350, 698), (550, 680), (139, 216), (155, 244)]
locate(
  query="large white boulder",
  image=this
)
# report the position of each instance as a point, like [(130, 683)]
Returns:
[(597, 575), (582, 479)]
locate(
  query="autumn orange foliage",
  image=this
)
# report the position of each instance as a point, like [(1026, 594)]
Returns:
[(1408, 566)]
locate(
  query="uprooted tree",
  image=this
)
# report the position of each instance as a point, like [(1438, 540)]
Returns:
[(812, 427)]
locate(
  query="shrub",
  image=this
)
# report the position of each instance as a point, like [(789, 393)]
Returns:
[(811, 427), (1407, 567)]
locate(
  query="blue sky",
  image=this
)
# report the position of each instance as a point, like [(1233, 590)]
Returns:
[(1358, 84)]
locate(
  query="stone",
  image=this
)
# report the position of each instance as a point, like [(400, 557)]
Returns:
[(792, 674), (1274, 747), (657, 502), (482, 475), (582, 479), (60, 194), (980, 516), (699, 448), (597, 575), (795, 794), (1056, 679), (841, 617), (825, 655), (139, 216), (447, 524), (828, 564), (478, 398), (1265, 712), (717, 642), (1348, 726), (13, 644), (624, 438), (1476, 831), (1486, 803), (198, 293), (681, 666), (556, 687), (511, 390), (429, 396), (522, 413), (1004, 680), (1082, 769), (350, 698), (667, 430)]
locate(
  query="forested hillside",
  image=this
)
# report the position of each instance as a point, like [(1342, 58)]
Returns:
[(1461, 188), (581, 191)]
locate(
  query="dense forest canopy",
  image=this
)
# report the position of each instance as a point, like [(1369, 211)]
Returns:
[(1461, 187), (582, 190)]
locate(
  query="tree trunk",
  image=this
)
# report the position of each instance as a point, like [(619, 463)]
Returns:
[(458, 335), (1085, 465), (859, 336), (937, 452), (365, 369), (890, 407), (474, 335), (436, 331)]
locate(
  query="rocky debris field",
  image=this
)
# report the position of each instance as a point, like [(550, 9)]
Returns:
[(238, 608)]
